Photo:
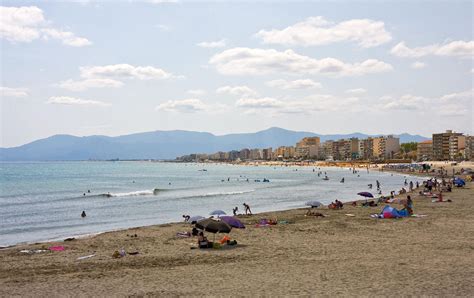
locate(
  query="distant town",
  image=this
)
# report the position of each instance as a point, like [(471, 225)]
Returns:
[(448, 145)]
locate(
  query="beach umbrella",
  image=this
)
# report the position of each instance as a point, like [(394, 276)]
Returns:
[(232, 221), (217, 212), (195, 219), (213, 226), (365, 194), (313, 204)]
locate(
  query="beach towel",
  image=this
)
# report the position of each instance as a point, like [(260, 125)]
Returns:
[(56, 248), (85, 257), (390, 212)]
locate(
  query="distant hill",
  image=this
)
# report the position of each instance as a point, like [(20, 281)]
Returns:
[(161, 144)]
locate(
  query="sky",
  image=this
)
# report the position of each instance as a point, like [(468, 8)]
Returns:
[(114, 68)]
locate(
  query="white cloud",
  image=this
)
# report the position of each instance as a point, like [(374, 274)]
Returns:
[(111, 75), (464, 96), (124, 71), (27, 23), (356, 91), (264, 102), (244, 91), (247, 61), (13, 92), (308, 105), (316, 31), (89, 83), (163, 28), (454, 104), (418, 65), (457, 48), (67, 100), (212, 44), (161, 1), (405, 102), (68, 38), (296, 84), (191, 105), (197, 92)]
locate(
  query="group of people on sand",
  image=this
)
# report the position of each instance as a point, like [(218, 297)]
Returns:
[(246, 209), (336, 205)]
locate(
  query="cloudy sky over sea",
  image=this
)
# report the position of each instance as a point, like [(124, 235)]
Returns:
[(98, 67)]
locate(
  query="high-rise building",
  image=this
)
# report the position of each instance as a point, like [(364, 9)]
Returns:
[(325, 151), (255, 154), (441, 144), (469, 151), (385, 147), (366, 149), (424, 150), (457, 144), (244, 154), (267, 154), (307, 148)]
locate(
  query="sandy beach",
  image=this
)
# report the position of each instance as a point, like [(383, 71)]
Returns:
[(335, 255)]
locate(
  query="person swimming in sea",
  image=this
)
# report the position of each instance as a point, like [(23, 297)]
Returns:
[(83, 214)]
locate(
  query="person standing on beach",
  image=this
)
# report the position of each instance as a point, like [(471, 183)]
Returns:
[(247, 209), (234, 210)]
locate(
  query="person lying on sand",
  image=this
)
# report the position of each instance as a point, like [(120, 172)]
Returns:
[(317, 214)]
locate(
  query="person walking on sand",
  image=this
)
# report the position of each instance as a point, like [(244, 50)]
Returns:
[(247, 209)]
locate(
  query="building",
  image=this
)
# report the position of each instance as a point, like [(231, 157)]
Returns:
[(469, 150), (325, 150), (441, 144), (349, 149), (244, 154), (255, 154), (424, 150), (385, 147), (457, 144), (307, 148), (267, 154), (285, 152), (366, 149)]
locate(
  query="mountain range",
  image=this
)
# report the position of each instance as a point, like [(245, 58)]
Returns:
[(162, 144)]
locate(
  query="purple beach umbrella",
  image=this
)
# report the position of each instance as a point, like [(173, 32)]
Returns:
[(365, 194), (233, 222)]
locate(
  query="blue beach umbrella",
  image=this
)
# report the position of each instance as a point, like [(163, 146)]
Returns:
[(195, 219), (217, 212)]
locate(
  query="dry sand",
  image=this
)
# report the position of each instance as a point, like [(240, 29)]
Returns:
[(336, 255)]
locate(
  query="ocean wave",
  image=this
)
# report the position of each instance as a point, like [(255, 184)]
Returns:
[(152, 192), (212, 194)]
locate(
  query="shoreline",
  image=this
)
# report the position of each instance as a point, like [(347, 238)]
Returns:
[(96, 233), (288, 258)]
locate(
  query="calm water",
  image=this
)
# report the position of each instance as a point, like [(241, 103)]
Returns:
[(43, 201)]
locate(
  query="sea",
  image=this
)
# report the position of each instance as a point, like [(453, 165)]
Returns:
[(42, 201)]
